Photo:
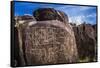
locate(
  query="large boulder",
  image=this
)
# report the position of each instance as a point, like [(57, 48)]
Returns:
[(45, 14), (86, 41), (49, 42)]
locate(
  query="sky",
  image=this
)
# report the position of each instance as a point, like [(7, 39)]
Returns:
[(76, 13)]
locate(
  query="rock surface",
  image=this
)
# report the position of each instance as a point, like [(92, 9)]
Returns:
[(48, 43), (86, 41)]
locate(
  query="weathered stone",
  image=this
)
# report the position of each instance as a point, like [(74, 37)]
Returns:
[(86, 41), (47, 43), (20, 23), (44, 14)]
